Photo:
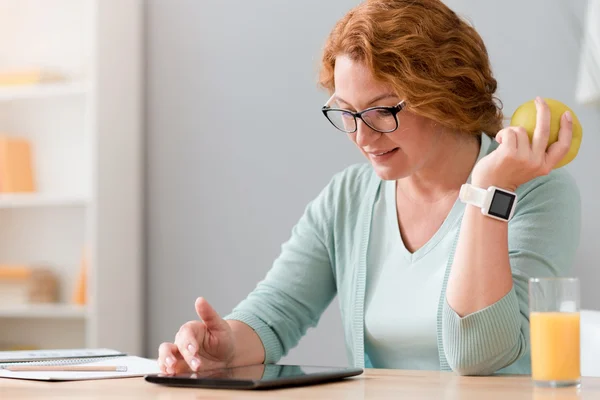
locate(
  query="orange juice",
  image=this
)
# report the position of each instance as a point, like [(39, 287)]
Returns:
[(555, 346)]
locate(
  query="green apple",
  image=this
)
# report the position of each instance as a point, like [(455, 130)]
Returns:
[(525, 116)]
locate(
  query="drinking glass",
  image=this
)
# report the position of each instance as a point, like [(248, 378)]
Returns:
[(554, 329)]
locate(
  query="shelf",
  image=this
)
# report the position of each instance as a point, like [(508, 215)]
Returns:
[(42, 91), (62, 311), (85, 132), (24, 200)]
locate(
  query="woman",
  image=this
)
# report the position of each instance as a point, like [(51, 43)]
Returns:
[(425, 280)]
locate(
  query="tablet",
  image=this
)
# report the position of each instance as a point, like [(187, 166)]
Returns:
[(260, 376)]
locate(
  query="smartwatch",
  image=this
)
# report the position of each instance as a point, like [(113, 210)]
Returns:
[(494, 202)]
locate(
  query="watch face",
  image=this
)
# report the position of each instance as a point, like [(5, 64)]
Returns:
[(501, 204)]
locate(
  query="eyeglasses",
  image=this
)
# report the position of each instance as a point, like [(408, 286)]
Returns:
[(380, 119)]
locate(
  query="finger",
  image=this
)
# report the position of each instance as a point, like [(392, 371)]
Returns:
[(541, 134), (209, 316), (170, 359), (163, 367), (167, 353), (187, 342), (500, 135), (181, 366), (559, 149), (523, 145), (507, 139)]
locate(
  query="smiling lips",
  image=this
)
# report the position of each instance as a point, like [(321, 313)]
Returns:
[(381, 154)]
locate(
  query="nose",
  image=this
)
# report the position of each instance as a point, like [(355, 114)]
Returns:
[(365, 135)]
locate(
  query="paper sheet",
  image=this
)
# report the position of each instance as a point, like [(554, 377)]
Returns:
[(136, 366)]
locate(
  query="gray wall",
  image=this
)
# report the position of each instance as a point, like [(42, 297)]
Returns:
[(237, 145), (534, 46)]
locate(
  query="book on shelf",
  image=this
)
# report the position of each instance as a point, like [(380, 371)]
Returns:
[(16, 165), (80, 291), (29, 76)]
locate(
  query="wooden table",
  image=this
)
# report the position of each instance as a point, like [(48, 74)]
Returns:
[(374, 384)]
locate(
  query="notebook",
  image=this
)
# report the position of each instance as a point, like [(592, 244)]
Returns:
[(59, 354), (136, 366)]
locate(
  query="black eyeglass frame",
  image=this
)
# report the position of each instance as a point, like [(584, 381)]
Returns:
[(394, 110)]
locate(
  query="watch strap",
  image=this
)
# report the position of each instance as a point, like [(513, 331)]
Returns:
[(473, 195)]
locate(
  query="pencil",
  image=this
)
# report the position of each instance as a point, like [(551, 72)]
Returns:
[(89, 368)]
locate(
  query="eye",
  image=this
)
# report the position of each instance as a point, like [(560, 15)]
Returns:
[(382, 113)]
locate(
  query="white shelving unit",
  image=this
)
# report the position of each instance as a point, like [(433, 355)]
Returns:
[(43, 91), (85, 133), (24, 200), (44, 311)]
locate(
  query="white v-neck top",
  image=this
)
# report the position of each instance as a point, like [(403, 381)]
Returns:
[(403, 288)]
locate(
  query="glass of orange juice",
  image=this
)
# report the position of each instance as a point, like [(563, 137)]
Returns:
[(554, 330)]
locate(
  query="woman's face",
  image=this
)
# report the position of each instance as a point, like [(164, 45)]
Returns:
[(393, 155)]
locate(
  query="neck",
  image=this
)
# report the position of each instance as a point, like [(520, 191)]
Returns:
[(448, 166)]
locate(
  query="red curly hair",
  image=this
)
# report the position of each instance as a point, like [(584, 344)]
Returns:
[(433, 59)]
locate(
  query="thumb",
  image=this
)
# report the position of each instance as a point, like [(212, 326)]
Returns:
[(209, 316)]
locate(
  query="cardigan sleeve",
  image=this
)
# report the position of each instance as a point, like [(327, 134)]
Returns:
[(543, 237), (300, 284)]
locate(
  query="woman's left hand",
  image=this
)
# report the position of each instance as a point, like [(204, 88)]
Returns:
[(517, 160)]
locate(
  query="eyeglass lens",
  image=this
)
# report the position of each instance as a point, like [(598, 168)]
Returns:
[(378, 119)]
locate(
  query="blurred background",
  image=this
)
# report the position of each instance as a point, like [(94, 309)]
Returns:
[(172, 145)]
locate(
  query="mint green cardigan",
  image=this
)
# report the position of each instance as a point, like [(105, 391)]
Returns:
[(327, 255)]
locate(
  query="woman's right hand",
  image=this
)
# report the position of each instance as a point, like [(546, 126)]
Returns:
[(199, 345)]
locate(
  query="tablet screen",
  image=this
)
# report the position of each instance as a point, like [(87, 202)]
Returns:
[(261, 372)]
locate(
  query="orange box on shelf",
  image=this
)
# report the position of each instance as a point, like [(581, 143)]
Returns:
[(14, 272), (23, 284), (16, 165)]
